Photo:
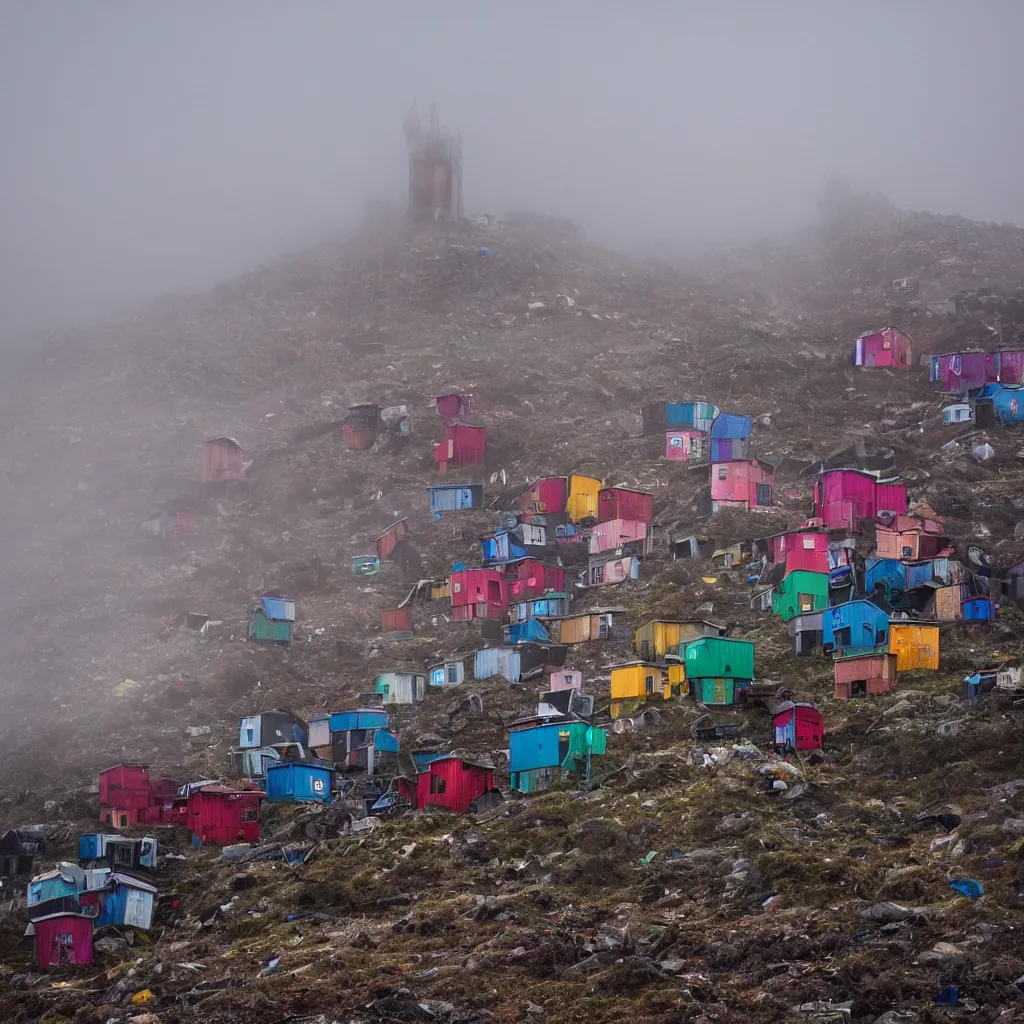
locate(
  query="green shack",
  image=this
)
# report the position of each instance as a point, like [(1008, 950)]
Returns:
[(717, 668), (272, 621), (800, 593)]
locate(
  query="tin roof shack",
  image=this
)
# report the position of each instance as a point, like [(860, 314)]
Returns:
[(479, 594), (906, 537), (391, 538), (546, 495), (626, 535), (595, 624), (222, 816), (637, 681), (396, 623), (550, 606), (15, 860), (583, 498), (361, 426), (730, 437), (807, 633), (401, 687), (298, 782), (957, 373), (454, 406), (625, 503), (65, 882), (223, 459), (117, 851), (457, 784), (280, 728), (1000, 405), (463, 445), (653, 640), (687, 446), (450, 672), (530, 577), (888, 347), (854, 628), (798, 726), (606, 570), (915, 644), (360, 740), (746, 484), (978, 609), (864, 675), (124, 902), (805, 549), (565, 679), (509, 545), (961, 412), (718, 669), (62, 940), (272, 621), (124, 791), (542, 748), (659, 417), (843, 497), (455, 497), (800, 593)]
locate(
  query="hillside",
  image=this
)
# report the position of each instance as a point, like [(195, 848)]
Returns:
[(754, 904)]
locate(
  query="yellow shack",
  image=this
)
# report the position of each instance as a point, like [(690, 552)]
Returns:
[(915, 644), (582, 503), (655, 639), (639, 680)]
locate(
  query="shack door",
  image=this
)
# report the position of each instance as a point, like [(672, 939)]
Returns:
[(135, 910), (563, 745), (722, 692), (763, 494), (464, 499)]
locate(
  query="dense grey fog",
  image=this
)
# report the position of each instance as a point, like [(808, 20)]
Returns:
[(148, 147)]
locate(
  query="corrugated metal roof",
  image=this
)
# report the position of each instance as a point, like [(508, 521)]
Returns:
[(279, 609)]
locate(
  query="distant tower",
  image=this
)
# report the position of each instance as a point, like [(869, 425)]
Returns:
[(435, 170)]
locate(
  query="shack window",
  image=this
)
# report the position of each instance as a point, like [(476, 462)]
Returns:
[(649, 684), (122, 855), (808, 543), (599, 574), (723, 473), (603, 627), (908, 551), (453, 673), (842, 636), (250, 814), (436, 784), (457, 587), (806, 603)]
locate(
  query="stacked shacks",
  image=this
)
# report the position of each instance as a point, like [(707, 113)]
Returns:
[(992, 381)]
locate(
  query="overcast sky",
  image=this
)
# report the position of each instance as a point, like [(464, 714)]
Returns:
[(147, 146)]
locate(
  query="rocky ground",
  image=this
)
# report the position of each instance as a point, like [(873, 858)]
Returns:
[(830, 902)]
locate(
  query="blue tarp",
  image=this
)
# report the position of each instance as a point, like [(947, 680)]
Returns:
[(728, 425), (530, 631)]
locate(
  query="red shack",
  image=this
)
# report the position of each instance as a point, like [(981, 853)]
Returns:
[(887, 347), (463, 445), (221, 816), (863, 675), (391, 538), (529, 578), (223, 459), (800, 549), (479, 594), (453, 406), (798, 726), (124, 792), (625, 503), (545, 496), (454, 783), (745, 484), (62, 940), (843, 497), (396, 623)]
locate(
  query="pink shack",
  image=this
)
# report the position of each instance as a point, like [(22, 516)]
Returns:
[(478, 594), (62, 940), (843, 497), (746, 484), (887, 347), (959, 372), (800, 549), (686, 446), (223, 459), (615, 533)]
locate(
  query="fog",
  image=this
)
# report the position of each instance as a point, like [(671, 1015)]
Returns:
[(152, 147)]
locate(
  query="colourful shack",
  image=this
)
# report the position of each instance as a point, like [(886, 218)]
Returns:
[(62, 940), (583, 497), (124, 902), (223, 459), (915, 644), (798, 726), (615, 534), (463, 445), (453, 406), (542, 748), (856, 627), (864, 675), (800, 593), (219, 815), (390, 538), (746, 484), (655, 639), (718, 669), (298, 782), (999, 405), (458, 784), (479, 594), (686, 446), (605, 570), (124, 792), (910, 537), (455, 497), (888, 347), (449, 672), (625, 503), (958, 373), (843, 497), (396, 623), (805, 549), (545, 496), (272, 620), (400, 687), (529, 578), (637, 681), (359, 740), (730, 437)]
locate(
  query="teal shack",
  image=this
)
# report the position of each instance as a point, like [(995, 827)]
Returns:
[(272, 621), (718, 669), (298, 782), (802, 592), (543, 747)]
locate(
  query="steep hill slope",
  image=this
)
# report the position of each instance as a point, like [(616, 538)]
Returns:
[(751, 905)]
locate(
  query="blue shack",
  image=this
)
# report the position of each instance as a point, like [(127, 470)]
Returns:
[(497, 661), (502, 546), (450, 672), (855, 627), (298, 782), (272, 620), (65, 880), (357, 740), (550, 606), (696, 415), (454, 497), (978, 609), (125, 901), (999, 405), (729, 437), (118, 851), (531, 631), (542, 747)]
